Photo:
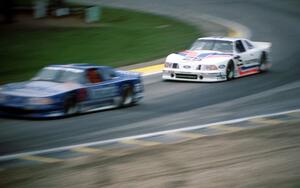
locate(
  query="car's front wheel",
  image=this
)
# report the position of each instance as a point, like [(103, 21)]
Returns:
[(127, 95), (263, 62), (230, 71), (70, 106)]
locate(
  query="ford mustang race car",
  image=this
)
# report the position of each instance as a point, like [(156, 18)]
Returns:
[(214, 59), (59, 90)]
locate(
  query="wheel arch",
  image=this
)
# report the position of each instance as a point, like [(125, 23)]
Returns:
[(230, 63), (264, 54)]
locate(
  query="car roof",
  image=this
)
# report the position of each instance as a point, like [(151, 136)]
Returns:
[(232, 39), (79, 66)]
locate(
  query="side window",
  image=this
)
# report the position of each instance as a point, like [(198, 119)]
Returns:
[(93, 76), (248, 44), (108, 73), (239, 46)]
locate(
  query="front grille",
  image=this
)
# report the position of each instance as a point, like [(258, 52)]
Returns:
[(187, 76)]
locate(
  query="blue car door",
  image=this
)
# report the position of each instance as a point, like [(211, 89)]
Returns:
[(101, 89)]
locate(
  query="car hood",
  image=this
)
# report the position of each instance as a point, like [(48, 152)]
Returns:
[(128, 74), (37, 88), (199, 57)]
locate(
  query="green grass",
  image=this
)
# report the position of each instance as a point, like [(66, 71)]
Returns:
[(125, 38), (24, 2)]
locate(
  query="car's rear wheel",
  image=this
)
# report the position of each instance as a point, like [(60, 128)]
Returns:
[(263, 62), (230, 71), (70, 106), (127, 95)]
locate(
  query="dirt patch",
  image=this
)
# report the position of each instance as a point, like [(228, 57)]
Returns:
[(264, 157)]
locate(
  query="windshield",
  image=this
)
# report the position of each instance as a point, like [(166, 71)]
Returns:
[(60, 75), (215, 45)]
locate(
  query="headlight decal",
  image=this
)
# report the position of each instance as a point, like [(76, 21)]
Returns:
[(40, 101), (171, 65), (210, 67)]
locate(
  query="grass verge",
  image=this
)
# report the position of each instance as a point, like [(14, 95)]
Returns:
[(123, 38)]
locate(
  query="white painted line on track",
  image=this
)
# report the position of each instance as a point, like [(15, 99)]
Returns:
[(64, 148)]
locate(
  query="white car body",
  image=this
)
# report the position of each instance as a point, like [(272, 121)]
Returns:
[(214, 65)]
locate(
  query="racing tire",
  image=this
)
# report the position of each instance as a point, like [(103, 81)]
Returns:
[(230, 71), (263, 62), (127, 95), (70, 107)]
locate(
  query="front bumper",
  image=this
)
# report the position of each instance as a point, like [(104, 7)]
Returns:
[(30, 113), (193, 76)]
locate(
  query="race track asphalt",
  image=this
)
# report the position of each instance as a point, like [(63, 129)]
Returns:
[(169, 105)]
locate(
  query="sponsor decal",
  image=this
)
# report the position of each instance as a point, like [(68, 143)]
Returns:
[(248, 70), (244, 68), (103, 92), (188, 53), (82, 95), (252, 61)]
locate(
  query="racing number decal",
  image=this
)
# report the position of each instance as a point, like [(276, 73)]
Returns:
[(104, 92)]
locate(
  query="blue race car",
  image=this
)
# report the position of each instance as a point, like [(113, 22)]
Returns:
[(63, 90)]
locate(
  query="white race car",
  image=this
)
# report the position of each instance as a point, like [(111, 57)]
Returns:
[(212, 59)]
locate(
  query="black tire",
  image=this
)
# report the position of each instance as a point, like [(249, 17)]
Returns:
[(263, 62), (70, 106), (127, 95), (230, 71)]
